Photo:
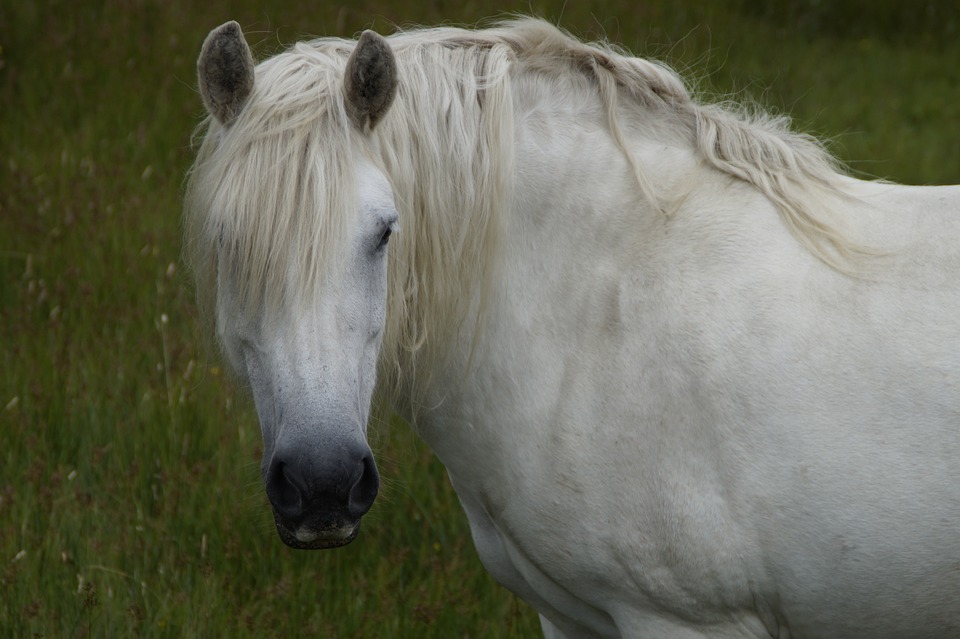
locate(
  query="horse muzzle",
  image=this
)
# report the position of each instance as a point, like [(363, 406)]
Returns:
[(318, 500), (306, 538)]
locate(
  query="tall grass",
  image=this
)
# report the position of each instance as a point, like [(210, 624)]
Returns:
[(130, 500)]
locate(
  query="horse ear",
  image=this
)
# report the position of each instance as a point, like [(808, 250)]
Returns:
[(225, 70), (370, 81)]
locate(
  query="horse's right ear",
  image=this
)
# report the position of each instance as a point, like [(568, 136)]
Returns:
[(225, 71)]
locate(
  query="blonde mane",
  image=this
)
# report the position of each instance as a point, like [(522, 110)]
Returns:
[(270, 193)]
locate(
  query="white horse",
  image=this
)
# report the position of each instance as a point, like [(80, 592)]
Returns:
[(688, 379)]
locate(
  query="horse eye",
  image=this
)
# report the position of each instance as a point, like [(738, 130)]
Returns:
[(385, 237)]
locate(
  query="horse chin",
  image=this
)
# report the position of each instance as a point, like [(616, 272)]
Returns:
[(309, 539)]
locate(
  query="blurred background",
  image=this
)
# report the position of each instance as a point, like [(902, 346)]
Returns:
[(130, 496)]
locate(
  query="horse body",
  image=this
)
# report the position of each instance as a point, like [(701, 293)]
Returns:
[(663, 414), (718, 434)]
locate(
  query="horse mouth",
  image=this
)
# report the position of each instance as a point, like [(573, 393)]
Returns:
[(305, 538)]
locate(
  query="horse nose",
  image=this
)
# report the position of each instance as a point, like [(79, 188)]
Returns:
[(322, 490)]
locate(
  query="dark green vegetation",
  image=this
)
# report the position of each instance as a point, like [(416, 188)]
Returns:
[(130, 498)]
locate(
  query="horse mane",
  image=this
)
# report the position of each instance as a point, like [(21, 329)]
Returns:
[(277, 190), (793, 170), (269, 195)]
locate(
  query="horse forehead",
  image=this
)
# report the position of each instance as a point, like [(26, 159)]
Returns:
[(375, 190)]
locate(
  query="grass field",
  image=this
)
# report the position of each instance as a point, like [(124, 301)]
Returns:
[(130, 498)]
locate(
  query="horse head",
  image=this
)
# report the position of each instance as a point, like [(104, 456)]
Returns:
[(310, 363)]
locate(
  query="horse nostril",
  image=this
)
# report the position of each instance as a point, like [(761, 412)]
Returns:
[(284, 492), (364, 491)]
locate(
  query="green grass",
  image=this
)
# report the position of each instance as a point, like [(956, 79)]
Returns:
[(130, 498)]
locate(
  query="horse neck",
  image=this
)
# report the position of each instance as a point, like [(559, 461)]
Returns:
[(456, 191), (452, 186)]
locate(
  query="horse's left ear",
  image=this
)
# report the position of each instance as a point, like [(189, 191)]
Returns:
[(370, 81)]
